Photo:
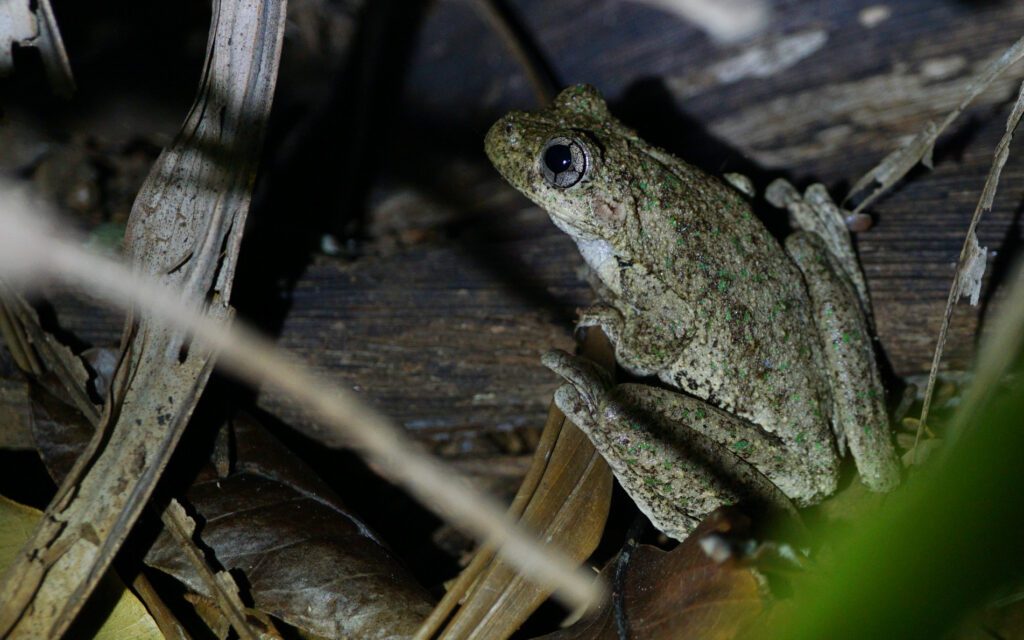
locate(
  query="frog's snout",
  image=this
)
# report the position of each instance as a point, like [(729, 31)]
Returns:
[(502, 135), (491, 140), (504, 145)]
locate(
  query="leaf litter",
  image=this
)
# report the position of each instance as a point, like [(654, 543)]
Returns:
[(269, 517)]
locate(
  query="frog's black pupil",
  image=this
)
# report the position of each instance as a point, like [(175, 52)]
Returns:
[(558, 158)]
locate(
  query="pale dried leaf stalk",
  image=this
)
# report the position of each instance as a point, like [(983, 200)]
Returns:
[(919, 149), (184, 233), (347, 420), (971, 265)]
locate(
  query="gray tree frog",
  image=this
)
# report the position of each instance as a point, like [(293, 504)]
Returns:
[(766, 367)]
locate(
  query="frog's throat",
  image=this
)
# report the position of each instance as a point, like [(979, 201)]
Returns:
[(599, 254), (601, 257)]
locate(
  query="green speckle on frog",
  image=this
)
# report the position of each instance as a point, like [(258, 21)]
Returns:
[(765, 350)]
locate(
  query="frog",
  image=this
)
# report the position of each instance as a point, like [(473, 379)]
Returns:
[(753, 364)]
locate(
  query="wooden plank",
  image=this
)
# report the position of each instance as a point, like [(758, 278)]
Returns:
[(441, 314)]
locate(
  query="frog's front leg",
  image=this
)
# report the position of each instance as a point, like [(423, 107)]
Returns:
[(605, 317), (678, 457), (640, 343), (858, 399)]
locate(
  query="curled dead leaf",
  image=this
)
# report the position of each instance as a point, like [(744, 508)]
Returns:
[(681, 593)]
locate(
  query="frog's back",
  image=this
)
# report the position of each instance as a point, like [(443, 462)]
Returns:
[(738, 308)]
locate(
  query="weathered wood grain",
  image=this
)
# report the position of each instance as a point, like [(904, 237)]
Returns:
[(458, 285)]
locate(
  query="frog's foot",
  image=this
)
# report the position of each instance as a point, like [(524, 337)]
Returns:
[(816, 212), (588, 386)]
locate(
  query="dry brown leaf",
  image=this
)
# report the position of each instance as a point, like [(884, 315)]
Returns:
[(677, 594), (275, 523), (565, 497)]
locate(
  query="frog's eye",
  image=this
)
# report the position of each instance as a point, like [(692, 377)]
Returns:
[(563, 162)]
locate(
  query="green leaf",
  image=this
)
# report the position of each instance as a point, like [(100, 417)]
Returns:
[(128, 620)]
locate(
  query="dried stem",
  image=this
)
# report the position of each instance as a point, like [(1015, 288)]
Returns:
[(29, 254), (540, 81), (967, 253)]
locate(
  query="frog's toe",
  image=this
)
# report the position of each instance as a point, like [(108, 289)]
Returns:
[(587, 381), (575, 407)]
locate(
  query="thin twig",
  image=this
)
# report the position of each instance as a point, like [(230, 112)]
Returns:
[(970, 242), (540, 80), (898, 163)]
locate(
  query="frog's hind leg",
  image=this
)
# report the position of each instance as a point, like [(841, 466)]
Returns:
[(677, 457), (858, 398), (817, 213)]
